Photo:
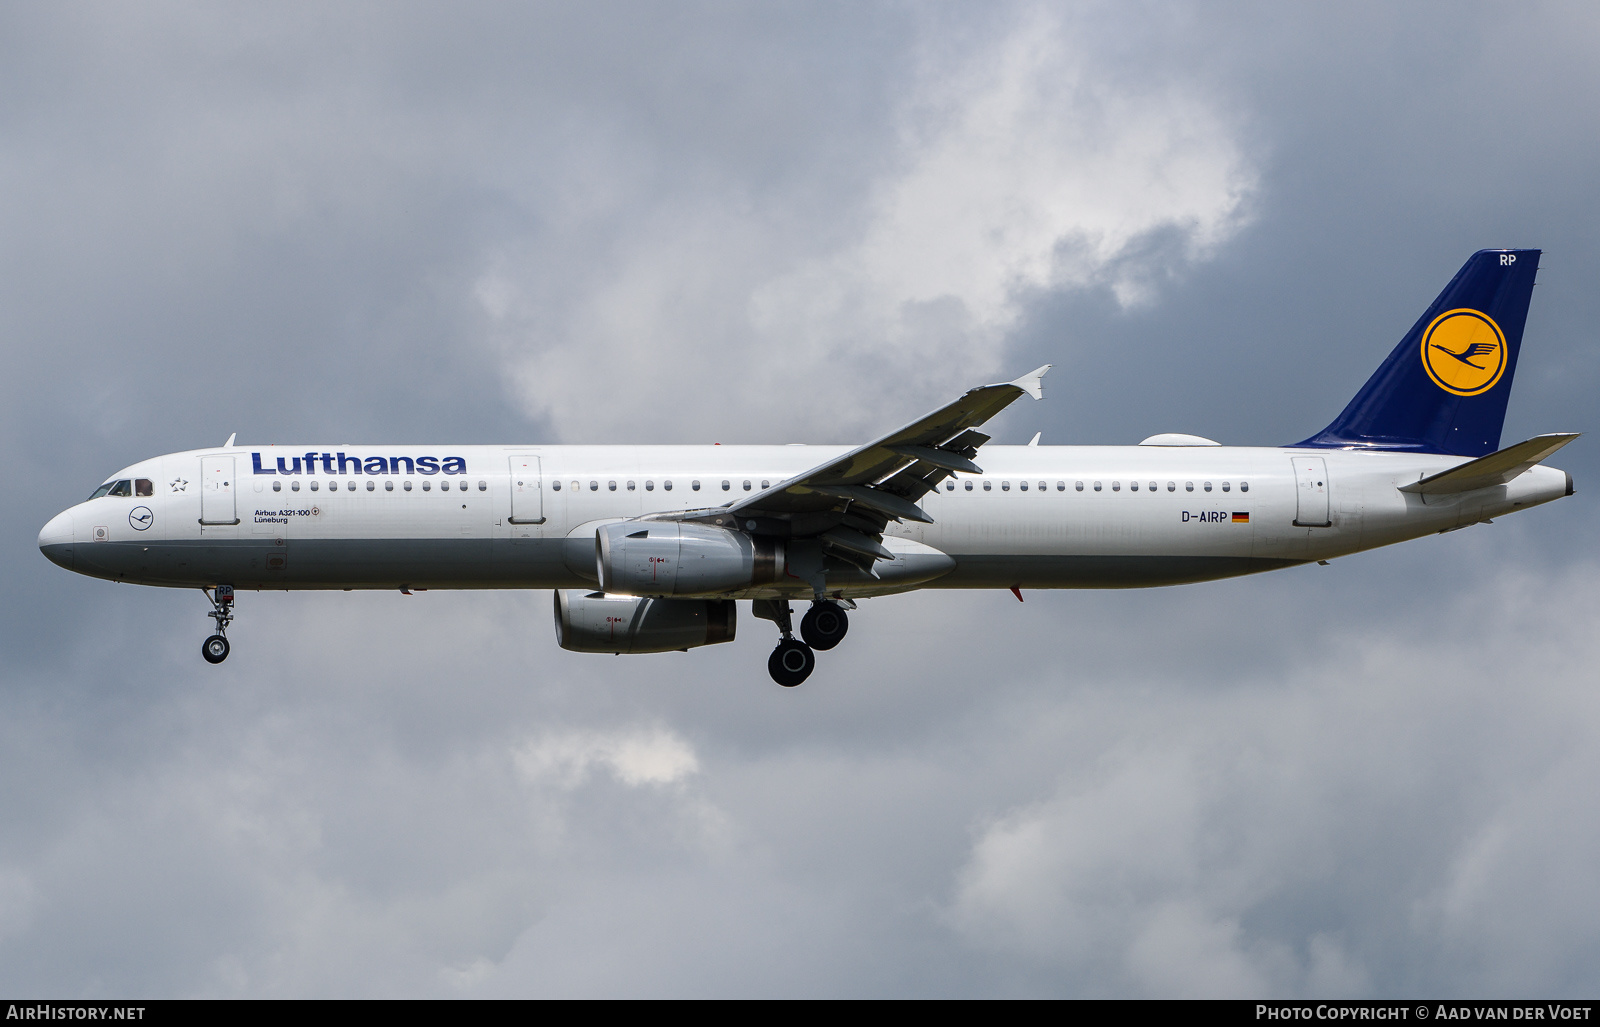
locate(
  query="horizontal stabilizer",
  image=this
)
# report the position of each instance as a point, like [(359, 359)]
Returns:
[(1495, 469)]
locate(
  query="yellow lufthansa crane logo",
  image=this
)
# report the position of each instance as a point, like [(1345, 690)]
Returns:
[(1464, 352)]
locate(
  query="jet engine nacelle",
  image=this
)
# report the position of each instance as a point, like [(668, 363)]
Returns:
[(668, 558), (593, 622)]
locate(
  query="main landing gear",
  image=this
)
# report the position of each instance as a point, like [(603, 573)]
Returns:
[(823, 626), (215, 649)]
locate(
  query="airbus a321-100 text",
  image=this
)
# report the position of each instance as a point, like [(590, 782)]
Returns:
[(650, 548)]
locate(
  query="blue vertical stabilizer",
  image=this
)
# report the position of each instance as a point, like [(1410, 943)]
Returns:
[(1444, 388)]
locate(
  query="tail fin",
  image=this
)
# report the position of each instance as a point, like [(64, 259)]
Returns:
[(1444, 388)]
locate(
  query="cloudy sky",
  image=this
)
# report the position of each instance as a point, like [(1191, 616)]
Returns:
[(805, 222)]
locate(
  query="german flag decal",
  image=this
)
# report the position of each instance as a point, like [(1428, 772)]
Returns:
[(1241, 518)]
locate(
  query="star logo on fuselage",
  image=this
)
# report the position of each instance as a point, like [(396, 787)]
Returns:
[(178, 484)]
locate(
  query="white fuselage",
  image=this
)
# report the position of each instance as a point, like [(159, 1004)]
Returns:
[(525, 516)]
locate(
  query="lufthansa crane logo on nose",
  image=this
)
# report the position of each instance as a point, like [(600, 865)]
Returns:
[(1464, 352), (140, 518)]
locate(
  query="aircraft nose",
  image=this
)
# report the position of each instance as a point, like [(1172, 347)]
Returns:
[(56, 539)]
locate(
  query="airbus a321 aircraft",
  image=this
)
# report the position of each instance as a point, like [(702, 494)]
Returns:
[(649, 548)]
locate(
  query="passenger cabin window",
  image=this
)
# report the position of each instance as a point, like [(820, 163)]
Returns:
[(483, 486), (969, 486), (406, 486), (1005, 486), (725, 485), (667, 484), (747, 484), (1152, 486), (554, 485), (371, 486), (949, 486), (987, 487), (462, 486), (294, 486), (1041, 486), (388, 486), (1078, 485), (1244, 486), (1023, 486), (695, 484), (649, 485), (1133, 486), (1097, 486), (1172, 486), (1188, 486), (765, 483), (631, 487), (143, 487), (350, 486), (277, 486), (427, 486), (1207, 486), (313, 486), (594, 486), (1224, 486), (1116, 486)]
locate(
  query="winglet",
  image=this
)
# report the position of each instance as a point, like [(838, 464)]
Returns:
[(1032, 382), (229, 443)]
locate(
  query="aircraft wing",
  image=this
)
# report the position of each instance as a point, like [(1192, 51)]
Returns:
[(849, 500), (891, 473)]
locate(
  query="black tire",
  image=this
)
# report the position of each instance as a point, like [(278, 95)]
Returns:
[(214, 649), (791, 663), (824, 625)]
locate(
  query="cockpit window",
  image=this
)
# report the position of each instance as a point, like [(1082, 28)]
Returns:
[(102, 490), (121, 488), (143, 487)]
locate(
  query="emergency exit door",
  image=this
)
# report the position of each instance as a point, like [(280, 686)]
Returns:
[(1311, 492), (217, 491), (527, 491)]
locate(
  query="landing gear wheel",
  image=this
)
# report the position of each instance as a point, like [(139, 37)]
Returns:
[(824, 625), (214, 649), (791, 663)]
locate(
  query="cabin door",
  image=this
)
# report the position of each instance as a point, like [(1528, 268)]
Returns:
[(1311, 492), (527, 490), (217, 491)]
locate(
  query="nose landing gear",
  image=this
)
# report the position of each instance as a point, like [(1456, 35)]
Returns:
[(215, 649)]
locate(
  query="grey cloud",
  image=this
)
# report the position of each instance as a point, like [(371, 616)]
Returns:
[(1369, 778)]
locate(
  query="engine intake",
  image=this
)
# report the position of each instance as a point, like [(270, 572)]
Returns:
[(671, 558), (593, 622)]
